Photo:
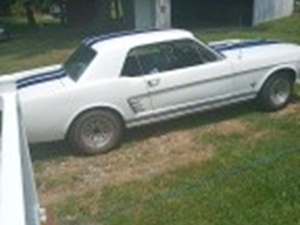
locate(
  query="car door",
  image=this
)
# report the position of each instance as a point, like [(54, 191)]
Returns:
[(184, 75), (132, 82)]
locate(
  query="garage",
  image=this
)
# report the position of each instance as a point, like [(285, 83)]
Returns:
[(208, 13), (113, 15), (194, 13)]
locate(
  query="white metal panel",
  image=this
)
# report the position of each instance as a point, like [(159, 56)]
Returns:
[(266, 10), (18, 197), (163, 14), (258, 62), (187, 86), (152, 14), (144, 14)]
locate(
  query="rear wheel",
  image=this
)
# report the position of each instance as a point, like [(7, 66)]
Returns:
[(96, 132), (277, 92)]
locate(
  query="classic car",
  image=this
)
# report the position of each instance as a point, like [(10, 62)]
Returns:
[(123, 80)]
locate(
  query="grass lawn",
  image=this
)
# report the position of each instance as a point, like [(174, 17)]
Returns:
[(232, 166), (31, 48)]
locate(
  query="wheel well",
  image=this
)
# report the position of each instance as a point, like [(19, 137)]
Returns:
[(290, 72), (92, 109)]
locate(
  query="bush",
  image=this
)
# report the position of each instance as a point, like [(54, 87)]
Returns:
[(17, 9)]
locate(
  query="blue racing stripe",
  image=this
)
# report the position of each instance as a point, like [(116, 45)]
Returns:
[(247, 44), (38, 76), (93, 40), (40, 81)]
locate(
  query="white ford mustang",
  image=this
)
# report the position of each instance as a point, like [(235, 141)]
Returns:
[(130, 79)]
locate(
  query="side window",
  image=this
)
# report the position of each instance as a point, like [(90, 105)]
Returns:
[(152, 59), (166, 56), (188, 53), (131, 67), (145, 60), (205, 54)]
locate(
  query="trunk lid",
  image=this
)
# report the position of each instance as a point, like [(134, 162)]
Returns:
[(36, 83)]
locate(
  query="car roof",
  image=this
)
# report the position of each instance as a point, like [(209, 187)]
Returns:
[(136, 37)]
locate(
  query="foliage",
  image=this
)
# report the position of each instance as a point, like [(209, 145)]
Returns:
[(15, 7), (5, 6)]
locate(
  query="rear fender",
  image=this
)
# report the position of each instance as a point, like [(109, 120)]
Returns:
[(89, 108)]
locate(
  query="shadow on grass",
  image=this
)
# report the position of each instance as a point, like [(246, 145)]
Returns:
[(60, 150), (50, 151), (191, 121), (197, 120)]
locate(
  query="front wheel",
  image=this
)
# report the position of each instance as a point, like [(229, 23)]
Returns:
[(277, 92), (96, 132)]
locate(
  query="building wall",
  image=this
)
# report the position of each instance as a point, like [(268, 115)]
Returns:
[(163, 14), (152, 14), (266, 10), (158, 13), (144, 11)]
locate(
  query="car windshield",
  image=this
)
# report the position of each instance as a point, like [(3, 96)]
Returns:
[(79, 61)]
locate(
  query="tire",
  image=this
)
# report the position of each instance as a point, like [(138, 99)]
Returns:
[(96, 132), (276, 92)]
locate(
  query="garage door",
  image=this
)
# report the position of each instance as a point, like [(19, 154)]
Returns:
[(195, 13)]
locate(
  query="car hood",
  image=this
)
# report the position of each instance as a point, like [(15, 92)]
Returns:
[(255, 49)]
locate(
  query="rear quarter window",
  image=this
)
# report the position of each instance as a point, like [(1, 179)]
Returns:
[(79, 61)]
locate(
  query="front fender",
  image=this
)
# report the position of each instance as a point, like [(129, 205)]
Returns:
[(289, 66)]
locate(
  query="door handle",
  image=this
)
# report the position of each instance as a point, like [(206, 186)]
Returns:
[(153, 83)]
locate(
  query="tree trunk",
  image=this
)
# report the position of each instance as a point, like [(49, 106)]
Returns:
[(103, 15), (5, 9), (63, 15), (29, 13)]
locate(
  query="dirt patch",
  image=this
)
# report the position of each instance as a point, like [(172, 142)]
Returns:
[(291, 110), (227, 128), (142, 159)]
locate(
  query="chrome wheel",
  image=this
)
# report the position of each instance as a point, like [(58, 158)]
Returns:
[(280, 91), (96, 132)]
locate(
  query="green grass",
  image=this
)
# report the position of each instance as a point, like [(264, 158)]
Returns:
[(286, 29), (249, 181), (251, 176), (36, 47)]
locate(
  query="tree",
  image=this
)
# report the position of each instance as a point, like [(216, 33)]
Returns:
[(5, 7), (62, 6), (29, 12)]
